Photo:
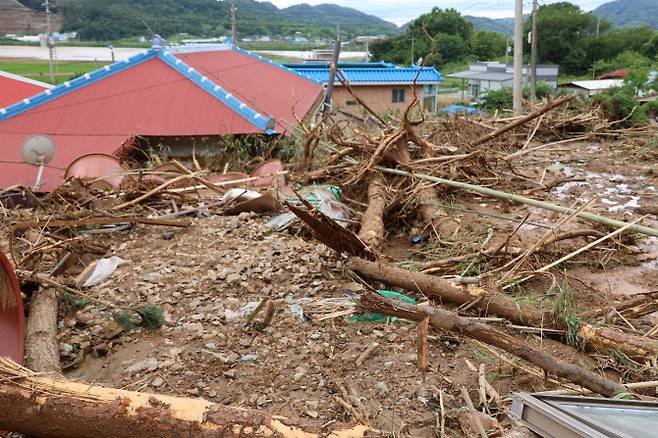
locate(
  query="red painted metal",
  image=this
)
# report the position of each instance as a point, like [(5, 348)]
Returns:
[(13, 90), (12, 319), (152, 99), (266, 170), (97, 166), (268, 89)]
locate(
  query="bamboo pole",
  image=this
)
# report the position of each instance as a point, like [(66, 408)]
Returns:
[(591, 217)]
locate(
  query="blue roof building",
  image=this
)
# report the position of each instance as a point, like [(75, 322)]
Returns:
[(385, 87)]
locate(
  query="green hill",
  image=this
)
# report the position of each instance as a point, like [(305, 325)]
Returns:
[(110, 20), (630, 12), (503, 26)]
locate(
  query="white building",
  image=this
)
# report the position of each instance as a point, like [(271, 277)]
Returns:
[(484, 76), (590, 88)]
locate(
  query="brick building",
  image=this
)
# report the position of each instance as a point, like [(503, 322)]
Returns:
[(384, 87)]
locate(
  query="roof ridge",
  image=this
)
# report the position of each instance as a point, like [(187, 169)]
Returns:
[(75, 84), (265, 123), (272, 63)]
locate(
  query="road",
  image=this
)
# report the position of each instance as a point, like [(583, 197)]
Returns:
[(104, 54)]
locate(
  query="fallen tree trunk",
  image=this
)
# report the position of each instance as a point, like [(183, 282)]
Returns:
[(57, 408), (502, 305), (523, 120), (372, 224), (41, 345), (446, 320), (440, 290)]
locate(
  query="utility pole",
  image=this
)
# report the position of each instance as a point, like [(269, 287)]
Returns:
[(413, 48), (332, 76), (49, 42), (533, 53), (507, 49), (598, 26), (518, 57), (234, 23)]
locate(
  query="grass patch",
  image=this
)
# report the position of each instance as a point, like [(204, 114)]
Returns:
[(494, 377), (40, 70), (152, 317), (564, 305)]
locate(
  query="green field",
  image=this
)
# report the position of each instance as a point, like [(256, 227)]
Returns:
[(40, 70)]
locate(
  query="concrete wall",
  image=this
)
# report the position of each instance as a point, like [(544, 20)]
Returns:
[(378, 97)]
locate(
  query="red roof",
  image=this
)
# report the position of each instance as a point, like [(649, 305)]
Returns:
[(617, 74), (152, 98), (14, 88)]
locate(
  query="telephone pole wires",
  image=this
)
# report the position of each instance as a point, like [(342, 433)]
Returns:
[(50, 42)]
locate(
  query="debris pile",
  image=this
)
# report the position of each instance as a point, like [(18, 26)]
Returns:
[(452, 262)]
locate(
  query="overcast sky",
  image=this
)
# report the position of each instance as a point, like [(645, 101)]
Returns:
[(401, 11)]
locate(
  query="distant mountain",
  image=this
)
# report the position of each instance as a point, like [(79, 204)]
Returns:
[(348, 18), (630, 12), (504, 26), (110, 20)]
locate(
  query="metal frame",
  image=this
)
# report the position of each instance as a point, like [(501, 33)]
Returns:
[(544, 416)]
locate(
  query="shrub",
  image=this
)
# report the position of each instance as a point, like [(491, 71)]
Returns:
[(503, 98), (620, 104)]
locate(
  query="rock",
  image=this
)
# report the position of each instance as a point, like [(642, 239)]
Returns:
[(262, 401), (301, 372), (100, 350), (230, 374), (193, 391), (232, 278), (157, 382), (194, 327), (111, 329), (168, 235), (382, 388), (211, 346), (249, 358), (65, 348), (231, 358)]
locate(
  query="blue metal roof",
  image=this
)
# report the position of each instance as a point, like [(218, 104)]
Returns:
[(325, 64), (374, 76), (265, 123)]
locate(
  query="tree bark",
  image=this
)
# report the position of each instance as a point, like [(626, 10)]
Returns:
[(57, 408), (42, 348), (446, 320), (372, 224), (499, 304), (440, 290)]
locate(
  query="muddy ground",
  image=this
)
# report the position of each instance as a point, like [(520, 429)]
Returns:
[(206, 273)]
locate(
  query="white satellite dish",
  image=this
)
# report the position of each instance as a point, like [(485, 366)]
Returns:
[(38, 150)]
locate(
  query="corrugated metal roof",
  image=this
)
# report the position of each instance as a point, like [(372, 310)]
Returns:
[(394, 75), (603, 84), (153, 94), (14, 88)]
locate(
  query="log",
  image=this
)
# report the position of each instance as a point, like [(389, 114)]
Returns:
[(57, 408), (440, 290), (42, 348), (372, 224), (523, 120), (502, 305), (446, 320)]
